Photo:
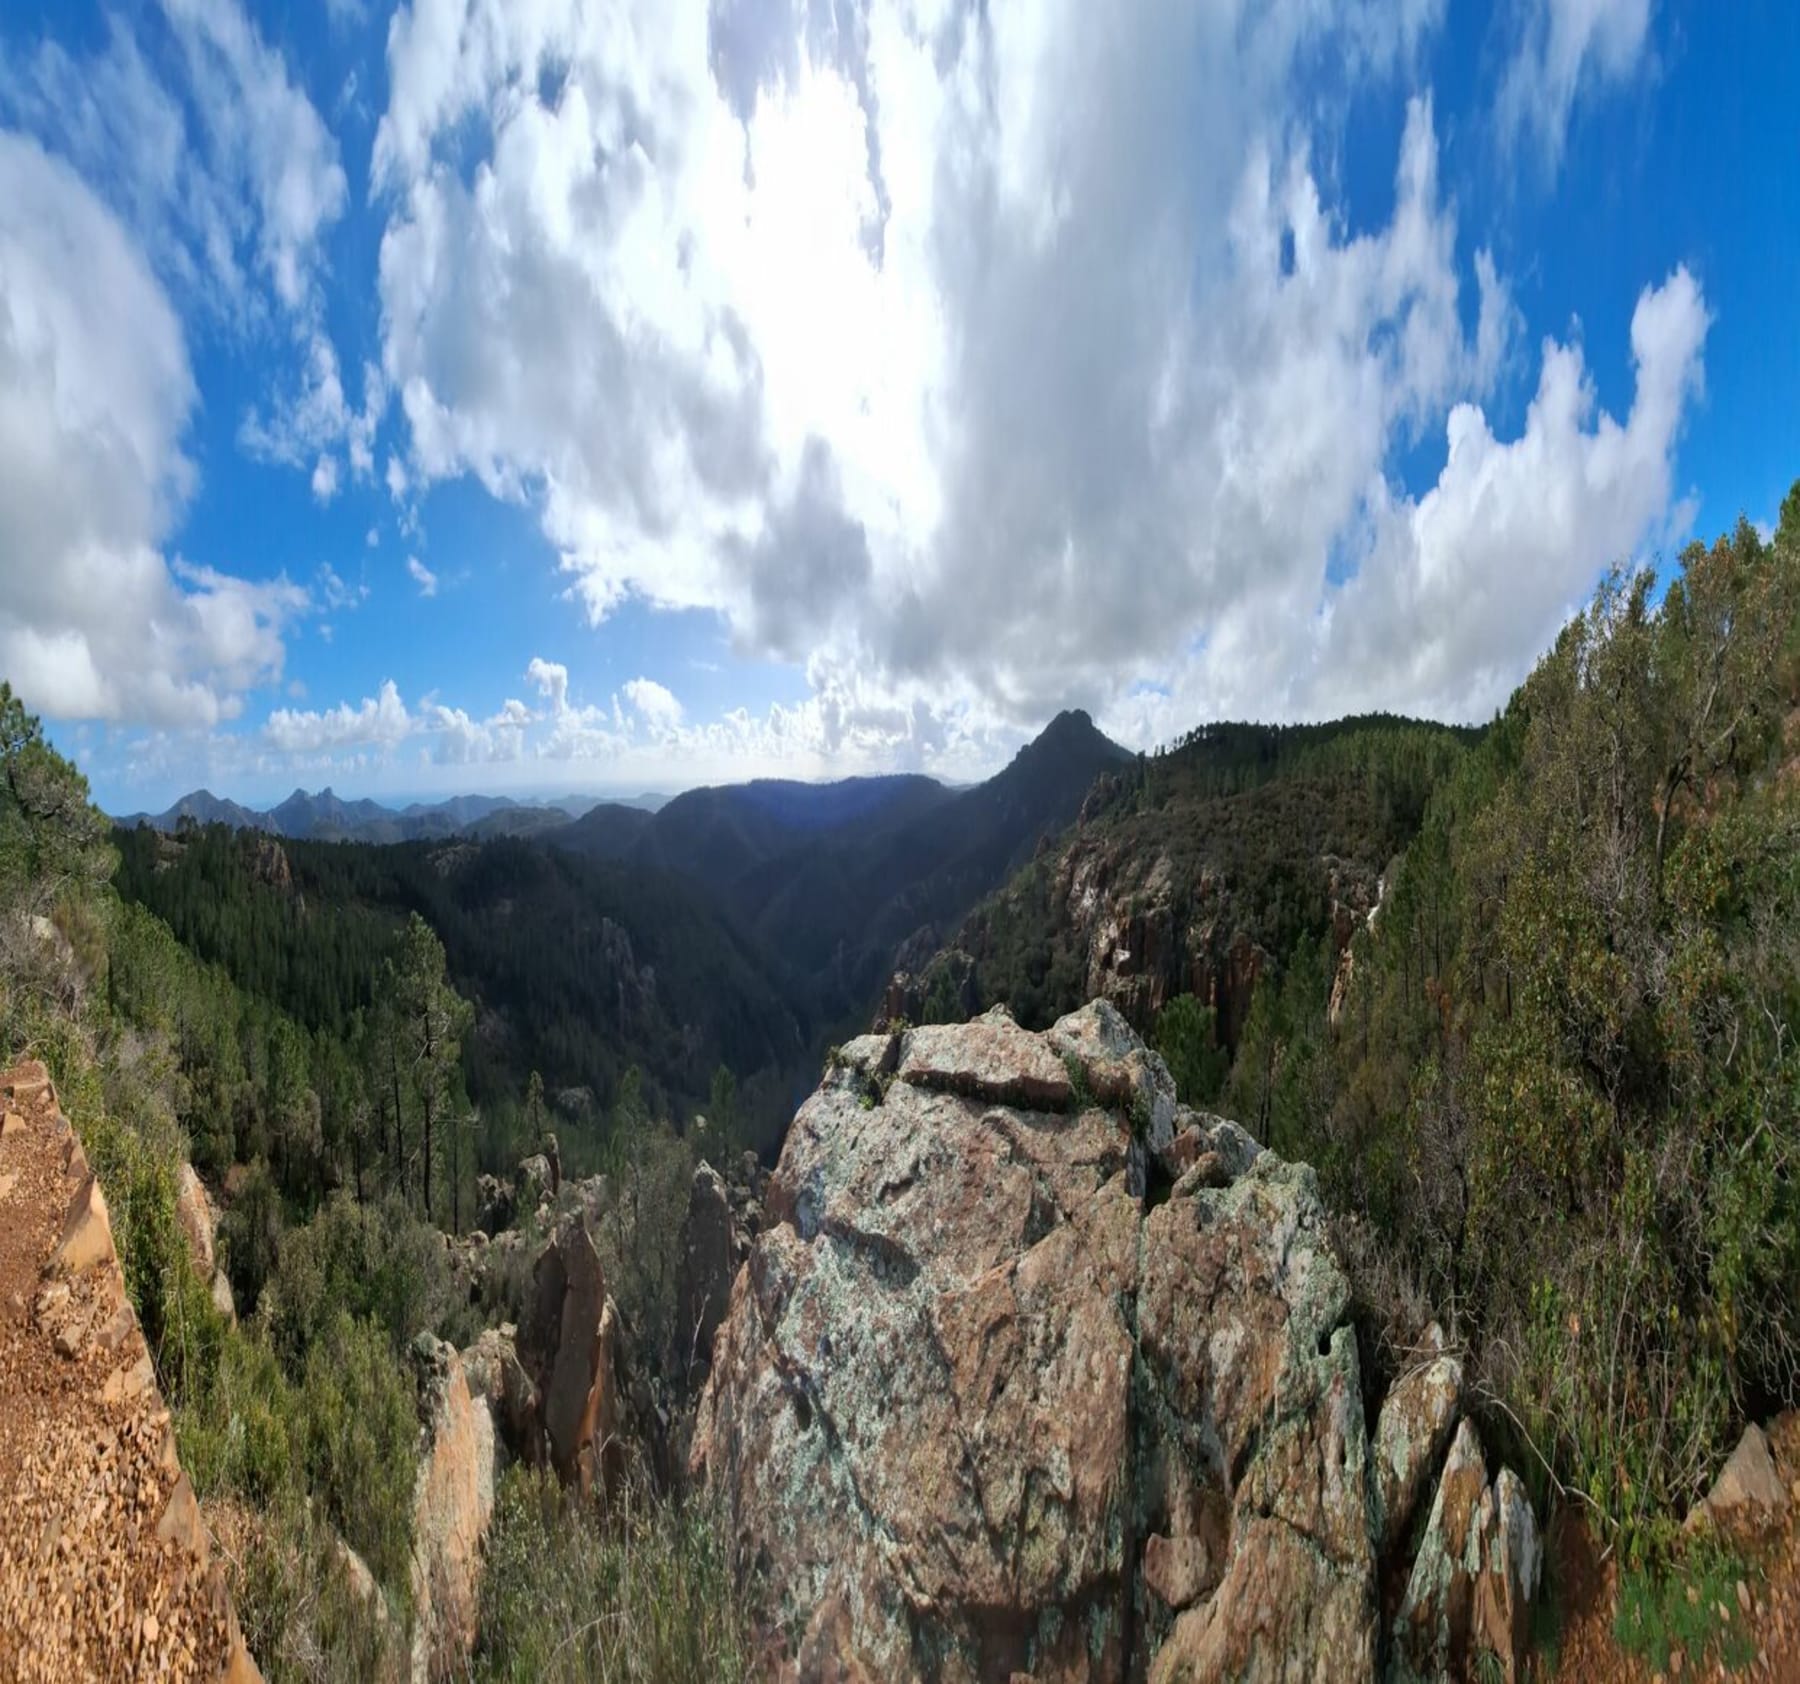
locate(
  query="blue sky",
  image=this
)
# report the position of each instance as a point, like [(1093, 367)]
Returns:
[(610, 397)]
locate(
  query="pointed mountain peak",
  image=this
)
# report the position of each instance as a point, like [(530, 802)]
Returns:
[(1073, 734)]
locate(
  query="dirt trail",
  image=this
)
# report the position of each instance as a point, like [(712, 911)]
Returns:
[(105, 1569), (1590, 1654)]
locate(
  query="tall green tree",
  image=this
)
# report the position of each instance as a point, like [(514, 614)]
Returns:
[(53, 841), (431, 1019)]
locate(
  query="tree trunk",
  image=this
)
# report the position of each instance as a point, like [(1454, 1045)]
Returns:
[(399, 1156)]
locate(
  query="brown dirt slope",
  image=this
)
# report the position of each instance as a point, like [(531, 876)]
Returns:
[(105, 1569), (1589, 1653)]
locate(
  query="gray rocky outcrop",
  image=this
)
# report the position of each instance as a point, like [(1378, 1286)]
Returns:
[(1415, 1423), (1035, 1372)]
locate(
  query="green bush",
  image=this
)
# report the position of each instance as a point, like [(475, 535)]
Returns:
[(376, 1261), (359, 1430), (1688, 1604), (1186, 1036), (344, 1436), (643, 1595)]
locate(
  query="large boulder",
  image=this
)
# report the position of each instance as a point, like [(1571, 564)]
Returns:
[(571, 1349), (983, 1406)]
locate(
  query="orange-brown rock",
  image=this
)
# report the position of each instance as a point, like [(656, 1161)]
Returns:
[(570, 1348), (453, 1502), (194, 1210), (86, 1233), (1749, 1493)]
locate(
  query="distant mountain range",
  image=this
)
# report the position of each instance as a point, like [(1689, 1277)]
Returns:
[(751, 924), (835, 881), (328, 817)]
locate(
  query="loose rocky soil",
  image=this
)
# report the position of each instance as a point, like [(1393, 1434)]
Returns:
[(1589, 1653), (104, 1566)]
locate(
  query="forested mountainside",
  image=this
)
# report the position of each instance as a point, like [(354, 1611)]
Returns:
[(578, 969), (1527, 998), (1524, 997), (1192, 867), (833, 881), (741, 928)]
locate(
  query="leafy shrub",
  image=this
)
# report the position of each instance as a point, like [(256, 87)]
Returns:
[(299, 1614), (375, 1261), (360, 1436), (344, 1435)]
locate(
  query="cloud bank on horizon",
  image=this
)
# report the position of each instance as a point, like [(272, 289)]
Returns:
[(966, 361)]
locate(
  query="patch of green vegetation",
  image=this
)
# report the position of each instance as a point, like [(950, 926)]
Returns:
[(1187, 1037), (1689, 1603), (643, 1594), (1081, 1093)]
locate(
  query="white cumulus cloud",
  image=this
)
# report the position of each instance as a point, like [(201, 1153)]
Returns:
[(96, 621), (422, 576), (655, 702), (1564, 48), (381, 720), (982, 360)]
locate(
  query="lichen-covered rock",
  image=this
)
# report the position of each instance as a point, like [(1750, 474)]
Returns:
[(1118, 1069), (977, 1412), (1256, 1388), (1512, 1559), (1415, 1423), (991, 1058), (194, 1210), (1475, 1574)]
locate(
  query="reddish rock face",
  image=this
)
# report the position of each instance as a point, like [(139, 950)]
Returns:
[(453, 1501), (977, 1412), (571, 1347)]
